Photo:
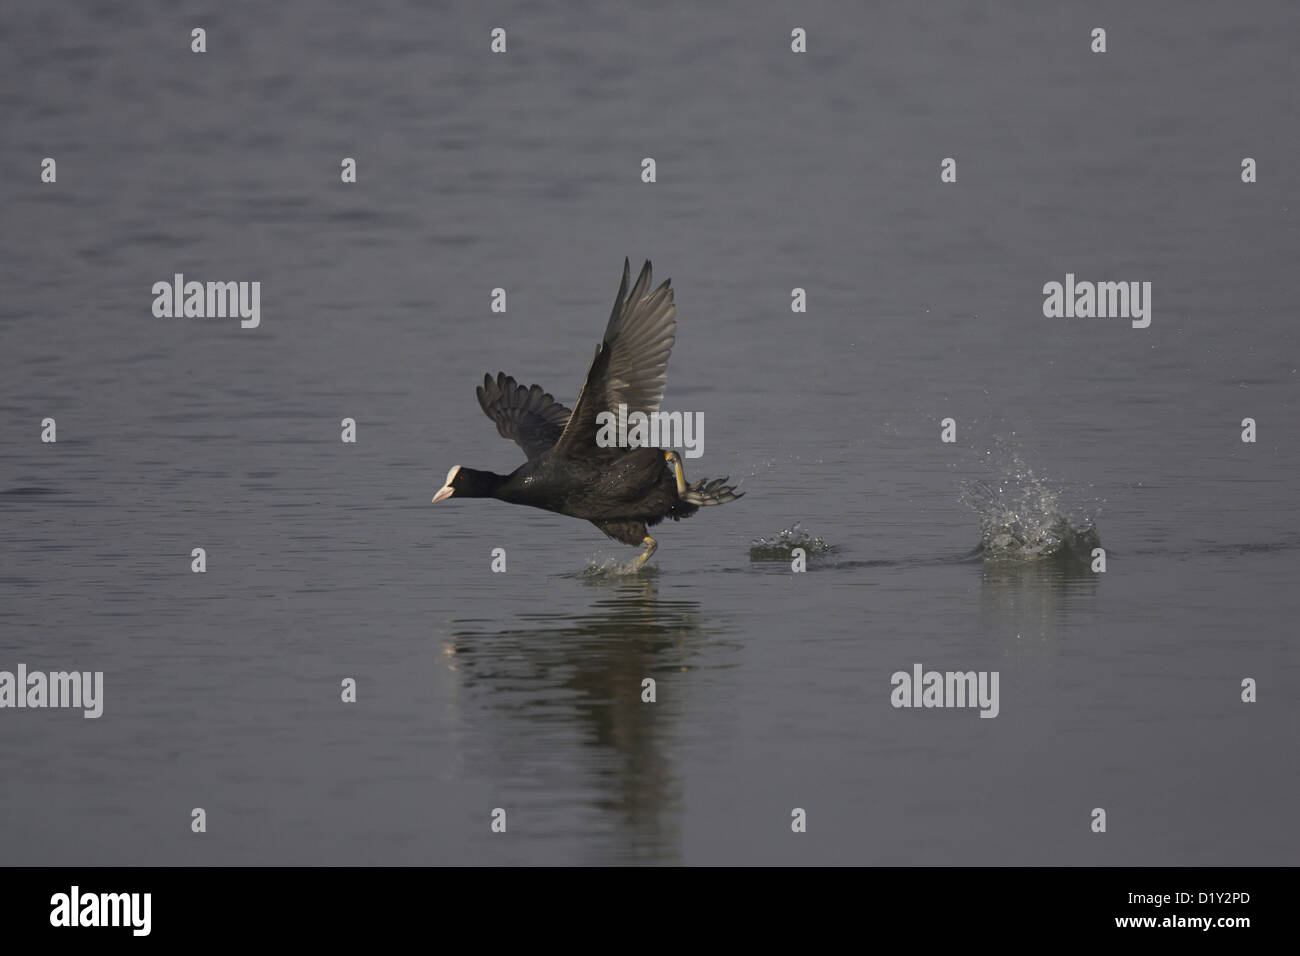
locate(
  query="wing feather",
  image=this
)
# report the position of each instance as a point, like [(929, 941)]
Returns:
[(530, 417), (631, 363)]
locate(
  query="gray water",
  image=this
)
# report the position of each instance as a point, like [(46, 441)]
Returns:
[(522, 690)]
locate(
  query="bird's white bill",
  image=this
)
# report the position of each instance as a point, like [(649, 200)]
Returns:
[(447, 490)]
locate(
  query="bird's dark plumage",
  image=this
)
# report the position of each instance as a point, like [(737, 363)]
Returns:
[(620, 490), (631, 363), (529, 417)]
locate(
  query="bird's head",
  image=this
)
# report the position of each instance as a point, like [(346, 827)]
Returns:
[(470, 483)]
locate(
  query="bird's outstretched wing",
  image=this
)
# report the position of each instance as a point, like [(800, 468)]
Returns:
[(631, 363), (530, 417)]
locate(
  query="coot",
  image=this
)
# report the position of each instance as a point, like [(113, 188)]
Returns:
[(620, 490)]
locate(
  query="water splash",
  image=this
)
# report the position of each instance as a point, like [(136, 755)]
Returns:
[(1022, 518), (607, 566), (780, 546)]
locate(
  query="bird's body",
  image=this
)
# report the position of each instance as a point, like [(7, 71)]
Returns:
[(569, 470)]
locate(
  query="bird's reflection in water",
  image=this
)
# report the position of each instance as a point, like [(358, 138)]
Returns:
[(557, 700), (1030, 602)]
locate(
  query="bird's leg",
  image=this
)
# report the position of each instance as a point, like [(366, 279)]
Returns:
[(650, 546), (675, 462)]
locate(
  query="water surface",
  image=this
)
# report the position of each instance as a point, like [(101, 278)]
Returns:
[(523, 690)]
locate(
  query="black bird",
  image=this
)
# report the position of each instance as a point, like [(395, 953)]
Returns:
[(619, 490)]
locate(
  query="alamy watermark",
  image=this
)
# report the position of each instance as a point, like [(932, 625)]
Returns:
[(922, 688), (626, 429), (1101, 300), (208, 300), (37, 689), (76, 908)]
